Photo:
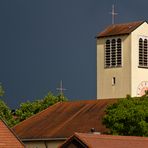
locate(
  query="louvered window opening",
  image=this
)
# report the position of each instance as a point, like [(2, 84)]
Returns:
[(143, 53), (113, 53)]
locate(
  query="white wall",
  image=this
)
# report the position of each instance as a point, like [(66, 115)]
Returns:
[(138, 74)]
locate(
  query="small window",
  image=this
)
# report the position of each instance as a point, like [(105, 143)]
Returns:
[(113, 81)]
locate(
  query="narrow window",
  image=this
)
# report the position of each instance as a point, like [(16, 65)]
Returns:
[(143, 53), (113, 53), (140, 52), (119, 53), (107, 54), (113, 81)]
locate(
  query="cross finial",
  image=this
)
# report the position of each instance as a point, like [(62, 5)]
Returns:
[(61, 89), (113, 13)]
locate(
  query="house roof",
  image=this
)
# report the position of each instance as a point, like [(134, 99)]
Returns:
[(106, 141), (8, 138), (119, 29), (63, 119)]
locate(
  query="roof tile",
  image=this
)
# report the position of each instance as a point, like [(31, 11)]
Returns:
[(108, 141), (8, 138), (119, 29), (63, 119)]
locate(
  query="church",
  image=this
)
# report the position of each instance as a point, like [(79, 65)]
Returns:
[(122, 68), (122, 60)]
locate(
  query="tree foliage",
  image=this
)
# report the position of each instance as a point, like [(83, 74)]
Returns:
[(28, 108), (5, 111), (2, 92), (129, 116), (5, 114)]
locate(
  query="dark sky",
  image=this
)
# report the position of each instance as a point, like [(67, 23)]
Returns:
[(45, 41)]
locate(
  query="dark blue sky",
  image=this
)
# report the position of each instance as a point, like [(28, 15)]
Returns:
[(45, 41)]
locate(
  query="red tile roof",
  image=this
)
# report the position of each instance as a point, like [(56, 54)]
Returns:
[(7, 138), (63, 119), (119, 29), (108, 141)]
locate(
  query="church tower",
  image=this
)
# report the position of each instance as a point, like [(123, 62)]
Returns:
[(122, 60)]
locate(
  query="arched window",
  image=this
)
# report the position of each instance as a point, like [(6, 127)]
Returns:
[(107, 54), (143, 53), (140, 52), (113, 53), (119, 52)]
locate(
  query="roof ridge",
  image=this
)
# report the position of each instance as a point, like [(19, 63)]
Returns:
[(96, 100), (112, 137), (129, 23)]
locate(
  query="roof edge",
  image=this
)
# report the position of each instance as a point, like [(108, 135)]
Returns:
[(98, 37), (82, 140), (14, 134)]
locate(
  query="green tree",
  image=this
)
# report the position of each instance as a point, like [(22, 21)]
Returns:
[(5, 114), (2, 92), (5, 111), (129, 116), (28, 108)]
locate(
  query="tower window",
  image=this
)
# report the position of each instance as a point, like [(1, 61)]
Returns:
[(113, 53), (113, 81), (107, 54), (143, 53)]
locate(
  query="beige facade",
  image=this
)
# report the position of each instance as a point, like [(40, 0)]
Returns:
[(43, 144), (129, 78)]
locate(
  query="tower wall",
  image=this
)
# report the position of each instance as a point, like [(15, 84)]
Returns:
[(122, 75), (139, 76)]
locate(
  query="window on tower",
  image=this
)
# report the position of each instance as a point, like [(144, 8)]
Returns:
[(143, 53), (107, 54), (113, 81), (113, 53)]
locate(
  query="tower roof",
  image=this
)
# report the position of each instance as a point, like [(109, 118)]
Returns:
[(119, 29)]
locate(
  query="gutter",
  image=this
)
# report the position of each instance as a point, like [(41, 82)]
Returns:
[(43, 139)]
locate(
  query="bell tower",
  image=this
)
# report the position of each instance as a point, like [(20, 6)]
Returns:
[(122, 60)]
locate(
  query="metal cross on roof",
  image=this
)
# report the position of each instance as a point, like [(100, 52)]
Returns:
[(61, 89), (113, 13)]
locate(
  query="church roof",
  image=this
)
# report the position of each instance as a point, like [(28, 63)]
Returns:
[(63, 119), (106, 141), (8, 138), (119, 29)]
